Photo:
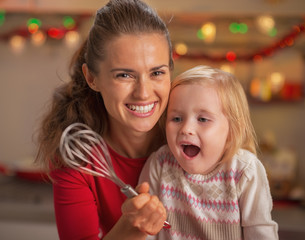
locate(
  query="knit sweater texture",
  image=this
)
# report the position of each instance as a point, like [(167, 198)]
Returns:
[(232, 202)]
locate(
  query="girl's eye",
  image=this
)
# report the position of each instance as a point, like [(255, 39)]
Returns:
[(177, 119), (202, 119)]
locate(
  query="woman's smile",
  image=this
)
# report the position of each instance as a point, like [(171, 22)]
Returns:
[(141, 109)]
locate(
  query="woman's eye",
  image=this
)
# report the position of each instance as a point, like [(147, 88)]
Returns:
[(157, 73), (123, 75)]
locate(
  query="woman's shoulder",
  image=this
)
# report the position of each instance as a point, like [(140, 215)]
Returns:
[(66, 175)]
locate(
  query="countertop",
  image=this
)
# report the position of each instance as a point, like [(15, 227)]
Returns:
[(26, 212)]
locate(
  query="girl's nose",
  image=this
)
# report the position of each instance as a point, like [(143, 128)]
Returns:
[(187, 128)]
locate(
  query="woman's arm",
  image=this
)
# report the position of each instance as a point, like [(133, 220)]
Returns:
[(75, 208), (77, 212)]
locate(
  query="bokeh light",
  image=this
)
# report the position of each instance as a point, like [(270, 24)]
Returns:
[(72, 39), (277, 81), (265, 23), (17, 43), (181, 48), (2, 17), (68, 22), (238, 28), (231, 56), (33, 25), (56, 33), (38, 38), (209, 32)]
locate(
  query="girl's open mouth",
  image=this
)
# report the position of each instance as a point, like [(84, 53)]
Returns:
[(190, 150)]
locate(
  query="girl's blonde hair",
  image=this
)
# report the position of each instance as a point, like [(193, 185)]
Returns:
[(234, 105)]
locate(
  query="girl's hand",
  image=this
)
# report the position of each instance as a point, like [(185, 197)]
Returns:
[(144, 212)]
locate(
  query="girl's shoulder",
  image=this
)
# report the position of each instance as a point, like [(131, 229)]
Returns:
[(164, 155), (246, 163), (244, 157), (163, 149)]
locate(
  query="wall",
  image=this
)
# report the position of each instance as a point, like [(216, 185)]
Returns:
[(27, 82), (286, 121), (29, 78), (240, 7)]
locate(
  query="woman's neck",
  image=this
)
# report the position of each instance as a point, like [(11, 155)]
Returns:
[(134, 144)]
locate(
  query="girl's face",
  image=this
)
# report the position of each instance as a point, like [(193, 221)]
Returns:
[(134, 81), (196, 128)]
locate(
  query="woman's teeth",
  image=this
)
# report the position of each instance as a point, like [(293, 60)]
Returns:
[(141, 109)]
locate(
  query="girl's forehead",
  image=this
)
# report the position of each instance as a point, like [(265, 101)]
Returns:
[(195, 85), (195, 91), (196, 94)]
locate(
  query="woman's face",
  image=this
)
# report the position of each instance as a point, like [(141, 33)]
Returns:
[(134, 81)]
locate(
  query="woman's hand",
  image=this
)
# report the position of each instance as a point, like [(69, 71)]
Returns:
[(141, 215), (144, 212)]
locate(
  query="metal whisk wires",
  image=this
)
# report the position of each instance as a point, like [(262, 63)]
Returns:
[(80, 146)]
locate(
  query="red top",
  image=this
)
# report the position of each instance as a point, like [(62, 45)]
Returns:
[(87, 205)]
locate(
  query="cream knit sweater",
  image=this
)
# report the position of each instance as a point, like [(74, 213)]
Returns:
[(232, 202)]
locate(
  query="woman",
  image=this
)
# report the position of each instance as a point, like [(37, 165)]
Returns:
[(120, 81)]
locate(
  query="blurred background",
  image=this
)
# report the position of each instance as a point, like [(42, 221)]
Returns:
[(262, 42)]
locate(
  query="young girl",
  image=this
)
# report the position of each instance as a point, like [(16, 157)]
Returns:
[(120, 82), (208, 176)]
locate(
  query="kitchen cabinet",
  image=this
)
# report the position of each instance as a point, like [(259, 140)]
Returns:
[(26, 210)]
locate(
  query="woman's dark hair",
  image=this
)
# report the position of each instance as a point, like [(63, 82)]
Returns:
[(75, 101)]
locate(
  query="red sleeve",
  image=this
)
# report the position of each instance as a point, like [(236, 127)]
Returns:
[(75, 206)]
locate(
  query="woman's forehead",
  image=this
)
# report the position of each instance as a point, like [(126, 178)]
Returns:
[(147, 49)]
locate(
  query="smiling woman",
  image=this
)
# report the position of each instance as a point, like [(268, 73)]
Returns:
[(133, 85), (120, 81)]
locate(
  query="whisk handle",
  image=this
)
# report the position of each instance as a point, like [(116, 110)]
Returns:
[(129, 191)]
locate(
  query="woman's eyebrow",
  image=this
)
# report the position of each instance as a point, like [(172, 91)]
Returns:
[(121, 69), (130, 70), (158, 67)]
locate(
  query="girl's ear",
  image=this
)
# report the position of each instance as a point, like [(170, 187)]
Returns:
[(90, 78)]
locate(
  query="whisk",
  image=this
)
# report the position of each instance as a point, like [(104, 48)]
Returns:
[(80, 146)]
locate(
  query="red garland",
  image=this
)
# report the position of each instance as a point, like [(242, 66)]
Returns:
[(52, 32), (286, 41)]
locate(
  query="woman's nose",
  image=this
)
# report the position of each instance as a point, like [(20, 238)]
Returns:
[(142, 88)]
